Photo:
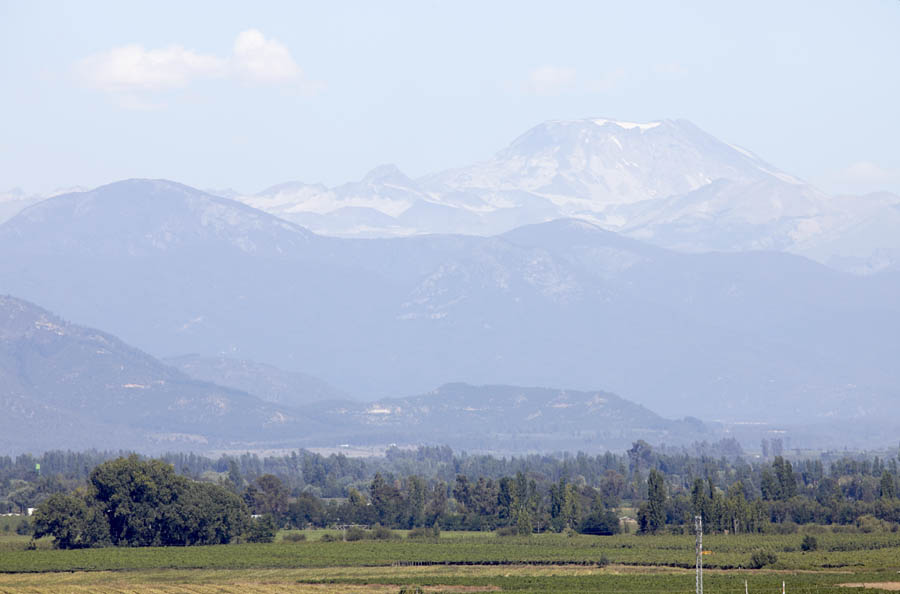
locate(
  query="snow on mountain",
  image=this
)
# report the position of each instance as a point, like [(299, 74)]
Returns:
[(172, 270), (589, 164), (666, 181)]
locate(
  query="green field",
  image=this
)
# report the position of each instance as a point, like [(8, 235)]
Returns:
[(458, 562)]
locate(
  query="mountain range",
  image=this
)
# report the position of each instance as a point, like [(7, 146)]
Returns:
[(665, 182), (66, 386), (605, 257), (755, 336)]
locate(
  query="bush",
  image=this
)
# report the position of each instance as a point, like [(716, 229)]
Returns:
[(810, 543), (353, 534), (603, 561), (868, 524), (423, 532), (761, 558), (601, 522), (294, 537), (383, 533), (24, 528), (506, 531), (783, 528), (412, 590), (327, 537)]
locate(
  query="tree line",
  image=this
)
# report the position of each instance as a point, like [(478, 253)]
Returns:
[(659, 488)]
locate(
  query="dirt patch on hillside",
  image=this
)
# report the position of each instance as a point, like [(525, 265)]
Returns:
[(890, 586)]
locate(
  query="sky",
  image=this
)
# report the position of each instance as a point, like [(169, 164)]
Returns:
[(247, 95)]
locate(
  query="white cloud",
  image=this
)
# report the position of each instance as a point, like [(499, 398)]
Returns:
[(259, 59), (551, 80), (132, 73), (132, 68)]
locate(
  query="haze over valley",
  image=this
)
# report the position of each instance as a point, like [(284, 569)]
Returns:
[(500, 228), (601, 258)]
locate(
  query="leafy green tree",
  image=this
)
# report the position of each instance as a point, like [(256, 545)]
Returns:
[(137, 497), (261, 529), (656, 499), (415, 501), (887, 485), (810, 543), (701, 503), (142, 503), (267, 495), (462, 492), (770, 486), (71, 522), (385, 500), (602, 522), (557, 505), (505, 500), (787, 482), (523, 523), (306, 510)]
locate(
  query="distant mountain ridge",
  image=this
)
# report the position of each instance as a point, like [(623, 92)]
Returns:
[(265, 381), (667, 182), (731, 336), (65, 386), (509, 419)]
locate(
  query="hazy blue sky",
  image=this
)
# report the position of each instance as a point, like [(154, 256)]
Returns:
[(218, 94)]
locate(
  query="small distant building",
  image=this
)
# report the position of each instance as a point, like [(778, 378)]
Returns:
[(29, 511)]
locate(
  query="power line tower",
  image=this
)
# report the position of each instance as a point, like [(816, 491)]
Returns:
[(698, 530)]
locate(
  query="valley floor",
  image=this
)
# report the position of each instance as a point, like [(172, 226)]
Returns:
[(460, 562)]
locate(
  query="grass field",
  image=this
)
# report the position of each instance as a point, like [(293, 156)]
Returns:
[(464, 562)]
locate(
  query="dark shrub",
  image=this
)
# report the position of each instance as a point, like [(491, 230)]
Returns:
[(605, 523), (383, 533), (810, 543), (294, 537), (761, 558), (353, 534), (420, 532)]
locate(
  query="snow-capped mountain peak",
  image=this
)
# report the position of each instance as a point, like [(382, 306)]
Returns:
[(627, 125), (665, 181)]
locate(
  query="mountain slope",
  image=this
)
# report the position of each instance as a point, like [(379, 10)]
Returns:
[(265, 381), (507, 419), (66, 386), (735, 336), (667, 182), (597, 162)]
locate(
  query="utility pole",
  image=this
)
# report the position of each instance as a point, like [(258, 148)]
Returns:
[(698, 529)]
